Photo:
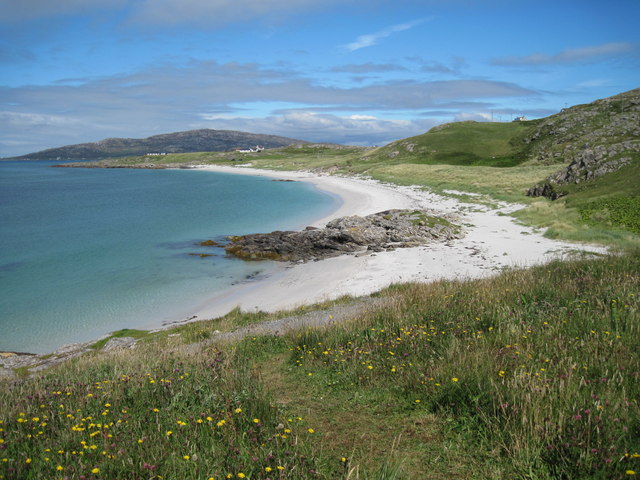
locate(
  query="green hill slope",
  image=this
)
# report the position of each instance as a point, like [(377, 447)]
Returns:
[(461, 143)]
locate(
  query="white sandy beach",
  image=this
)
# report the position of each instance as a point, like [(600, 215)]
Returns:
[(493, 241)]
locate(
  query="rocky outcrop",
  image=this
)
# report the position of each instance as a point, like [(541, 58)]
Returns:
[(593, 140), (374, 233)]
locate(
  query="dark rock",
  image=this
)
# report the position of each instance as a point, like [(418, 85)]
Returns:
[(209, 243), (374, 233)]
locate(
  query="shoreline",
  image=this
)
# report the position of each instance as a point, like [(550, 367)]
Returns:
[(493, 241)]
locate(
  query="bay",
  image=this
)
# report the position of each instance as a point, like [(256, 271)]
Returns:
[(84, 252)]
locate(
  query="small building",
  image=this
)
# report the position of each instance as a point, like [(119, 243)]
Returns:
[(520, 119), (257, 148)]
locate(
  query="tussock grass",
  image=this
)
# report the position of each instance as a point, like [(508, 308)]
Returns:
[(530, 374)]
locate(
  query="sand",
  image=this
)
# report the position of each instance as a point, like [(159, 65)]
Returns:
[(493, 241)]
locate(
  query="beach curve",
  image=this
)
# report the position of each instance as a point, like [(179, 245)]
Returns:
[(493, 241)]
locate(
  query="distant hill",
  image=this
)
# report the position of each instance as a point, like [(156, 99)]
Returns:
[(205, 140)]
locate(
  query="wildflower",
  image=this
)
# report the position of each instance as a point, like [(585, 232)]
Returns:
[(267, 469), (630, 472), (256, 420), (59, 468), (186, 457), (311, 430), (343, 459), (169, 433), (95, 470), (454, 379), (238, 410), (28, 460), (241, 475)]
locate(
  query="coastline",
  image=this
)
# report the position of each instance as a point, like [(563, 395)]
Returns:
[(493, 241)]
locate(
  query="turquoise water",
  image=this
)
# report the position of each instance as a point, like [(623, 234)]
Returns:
[(84, 252)]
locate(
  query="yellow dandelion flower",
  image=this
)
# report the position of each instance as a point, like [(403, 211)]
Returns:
[(95, 470), (238, 410), (267, 469), (311, 430), (59, 468), (454, 379)]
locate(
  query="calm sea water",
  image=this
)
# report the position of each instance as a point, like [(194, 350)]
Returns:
[(84, 252)]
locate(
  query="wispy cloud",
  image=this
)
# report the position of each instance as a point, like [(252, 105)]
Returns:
[(367, 68), (214, 13), (568, 56), (371, 39), (202, 13), (11, 11), (173, 98)]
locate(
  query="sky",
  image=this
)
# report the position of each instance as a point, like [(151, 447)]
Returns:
[(357, 72)]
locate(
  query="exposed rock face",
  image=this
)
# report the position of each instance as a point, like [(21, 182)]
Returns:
[(593, 139), (381, 231)]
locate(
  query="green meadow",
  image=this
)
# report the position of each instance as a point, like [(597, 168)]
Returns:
[(530, 374)]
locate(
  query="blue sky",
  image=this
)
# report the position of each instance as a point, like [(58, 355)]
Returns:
[(362, 72)]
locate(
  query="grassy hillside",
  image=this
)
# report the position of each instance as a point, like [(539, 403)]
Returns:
[(462, 143), (531, 374)]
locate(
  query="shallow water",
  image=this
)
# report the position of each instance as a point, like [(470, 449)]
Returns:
[(84, 252)]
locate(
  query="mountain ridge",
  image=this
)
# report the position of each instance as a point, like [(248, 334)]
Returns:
[(177, 142)]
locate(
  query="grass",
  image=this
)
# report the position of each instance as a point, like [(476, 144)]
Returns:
[(530, 374), (126, 332), (463, 143)]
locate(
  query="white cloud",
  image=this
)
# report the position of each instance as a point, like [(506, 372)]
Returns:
[(27, 120), (324, 127), (201, 13), (212, 13), (367, 68), (475, 116), (174, 98), (371, 39), (14, 10), (572, 55)]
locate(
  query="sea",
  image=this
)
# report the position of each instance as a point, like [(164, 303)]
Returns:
[(88, 251)]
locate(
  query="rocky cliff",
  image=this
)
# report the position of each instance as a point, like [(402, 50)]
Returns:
[(592, 140)]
